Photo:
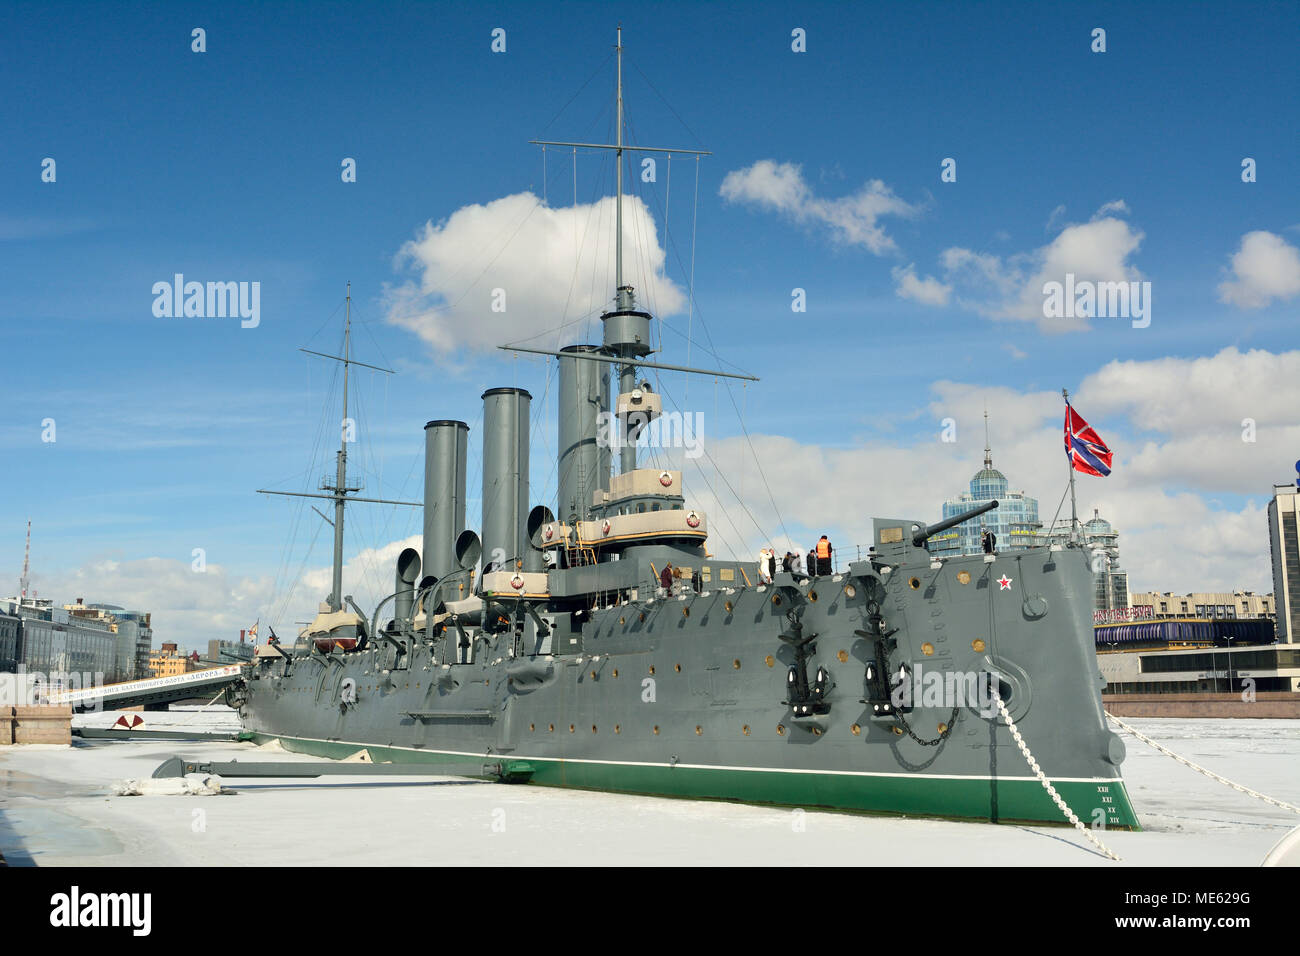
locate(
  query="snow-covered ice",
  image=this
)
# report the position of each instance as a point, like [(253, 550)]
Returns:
[(57, 808)]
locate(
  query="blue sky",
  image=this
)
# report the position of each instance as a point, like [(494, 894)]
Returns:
[(224, 165)]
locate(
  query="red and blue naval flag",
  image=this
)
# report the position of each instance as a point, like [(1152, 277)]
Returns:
[(1084, 447)]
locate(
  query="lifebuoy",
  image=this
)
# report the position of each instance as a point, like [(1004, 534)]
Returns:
[(605, 526), (550, 532), (693, 520), (516, 582), (665, 479)]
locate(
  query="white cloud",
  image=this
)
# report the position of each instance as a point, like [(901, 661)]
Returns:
[(854, 219), (553, 264), (1115, 205), (1265, 268), (929, 291), (1012, 288), (188, 607), (1198, 408)]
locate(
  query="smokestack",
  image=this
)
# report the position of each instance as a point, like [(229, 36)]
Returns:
[(444, 494), (505, 476), (584, 462), (408, 569)]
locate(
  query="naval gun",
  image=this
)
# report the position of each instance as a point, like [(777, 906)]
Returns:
[(920, 537), (898, 540)]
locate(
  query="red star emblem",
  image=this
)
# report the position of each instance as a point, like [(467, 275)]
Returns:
[(1005, 583)]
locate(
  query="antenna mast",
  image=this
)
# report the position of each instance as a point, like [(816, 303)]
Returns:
[(27, 554)]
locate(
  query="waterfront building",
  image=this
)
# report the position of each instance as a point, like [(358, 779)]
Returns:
[(1284, 546), (57, 641), (169, 662), (1205, 604), (10, 633)]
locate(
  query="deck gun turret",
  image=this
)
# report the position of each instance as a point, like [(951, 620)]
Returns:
[(898, 539)]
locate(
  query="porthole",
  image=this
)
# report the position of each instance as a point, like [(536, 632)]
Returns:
[(677, 668), (963, 577), (780, 730), (943, 728), (686, 612), (898, 731), (642, 618), (531, 728), (618, 729), (656, 730), (812, 596), (977, 645), (914, 583), (729, 606), (842, 657), (572, 729), (736, 664), (593, 728), (652, 670), (769, 660), (699, 731), (593, 675), (615, 672), (927, 649), (745, 730), (776, 600), (857, 730), (550, 728)]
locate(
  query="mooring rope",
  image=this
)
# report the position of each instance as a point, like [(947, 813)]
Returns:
[(1047, 784), (1199, 769)]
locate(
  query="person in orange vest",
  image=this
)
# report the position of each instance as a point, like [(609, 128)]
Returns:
[(824, 556)]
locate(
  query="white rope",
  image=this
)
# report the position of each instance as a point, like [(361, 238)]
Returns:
[(1047, 784), (1199, 769)]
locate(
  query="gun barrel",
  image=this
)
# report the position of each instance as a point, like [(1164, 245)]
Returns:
[(921, 536)]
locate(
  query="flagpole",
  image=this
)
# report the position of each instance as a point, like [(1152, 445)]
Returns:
[(1069, 463)]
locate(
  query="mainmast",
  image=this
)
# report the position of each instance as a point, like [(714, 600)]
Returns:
[(623, 295), (627, 330)]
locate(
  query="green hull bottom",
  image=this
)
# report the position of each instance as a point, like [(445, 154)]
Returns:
[(970, 798)]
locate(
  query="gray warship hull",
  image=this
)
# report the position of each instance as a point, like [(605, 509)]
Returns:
[(687, 695)]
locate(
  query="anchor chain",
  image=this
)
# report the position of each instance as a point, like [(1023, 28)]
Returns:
[(947, 729)]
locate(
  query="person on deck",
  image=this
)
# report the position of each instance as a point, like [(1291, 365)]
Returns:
[(824, 555), (988, 540), (666, 578)]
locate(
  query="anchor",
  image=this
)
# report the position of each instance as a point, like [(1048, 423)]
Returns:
[(802, 699)]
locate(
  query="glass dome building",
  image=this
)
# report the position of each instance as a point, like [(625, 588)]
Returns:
[(1015, 522)]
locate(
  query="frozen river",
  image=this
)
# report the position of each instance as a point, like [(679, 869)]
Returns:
[(56, 808)]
